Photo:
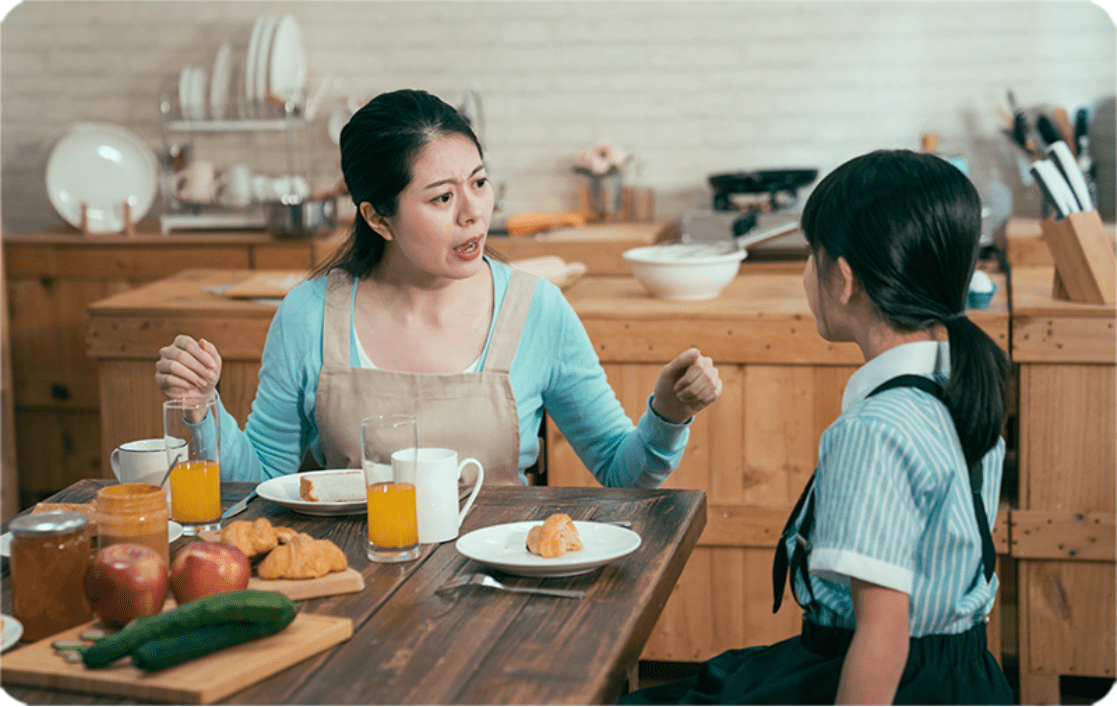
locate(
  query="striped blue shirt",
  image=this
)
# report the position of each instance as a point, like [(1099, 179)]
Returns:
[(893, 504)]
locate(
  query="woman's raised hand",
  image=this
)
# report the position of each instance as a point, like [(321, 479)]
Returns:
[(188, 368), (685, 386)]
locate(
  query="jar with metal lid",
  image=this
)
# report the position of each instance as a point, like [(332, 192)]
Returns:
[(134, 513), (50, 553)]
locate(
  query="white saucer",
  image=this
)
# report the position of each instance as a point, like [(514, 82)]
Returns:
[(13, 629)]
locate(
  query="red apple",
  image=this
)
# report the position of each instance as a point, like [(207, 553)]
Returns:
[(126, 581), (204, 568)]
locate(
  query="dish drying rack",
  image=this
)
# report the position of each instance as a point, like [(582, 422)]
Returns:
[(184, 215)]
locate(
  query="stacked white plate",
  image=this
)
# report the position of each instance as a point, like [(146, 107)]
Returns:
[(219, 82), (191, 93), (275, 63), (102, 166)]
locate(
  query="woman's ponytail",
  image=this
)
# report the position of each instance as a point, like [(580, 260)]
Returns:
[(975, 392)]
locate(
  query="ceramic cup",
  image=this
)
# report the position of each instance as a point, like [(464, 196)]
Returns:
[(143, 461), (195, 183), (234, 186), (435, 473)]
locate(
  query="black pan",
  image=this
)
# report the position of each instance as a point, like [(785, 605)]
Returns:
[(762, 181)]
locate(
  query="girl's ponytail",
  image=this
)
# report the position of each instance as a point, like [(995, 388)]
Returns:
[(979, 372)]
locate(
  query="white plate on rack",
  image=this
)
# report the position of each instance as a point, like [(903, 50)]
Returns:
[(219, 82), (504, 547), (12, 630), (174, 532), (287, 64), (250, 63), (263, 54), (184, 92), (284, 490), (101, 165), (198, 94)]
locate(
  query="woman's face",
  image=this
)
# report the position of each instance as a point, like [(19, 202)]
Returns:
[(443, 216)]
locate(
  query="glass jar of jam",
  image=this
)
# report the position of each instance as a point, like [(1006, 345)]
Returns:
[(50, 553), (134, 513)]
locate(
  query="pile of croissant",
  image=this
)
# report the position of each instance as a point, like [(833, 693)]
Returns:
[(287, 554)]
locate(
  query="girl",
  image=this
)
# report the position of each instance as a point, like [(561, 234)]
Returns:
[(889, 548), (411, 316)]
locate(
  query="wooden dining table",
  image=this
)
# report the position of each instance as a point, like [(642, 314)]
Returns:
[(411, 644)]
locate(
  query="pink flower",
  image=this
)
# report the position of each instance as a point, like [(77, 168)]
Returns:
[(603, 158)]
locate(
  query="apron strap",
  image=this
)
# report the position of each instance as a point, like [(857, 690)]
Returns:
[(510, 322), (798, 561), (338, 318)]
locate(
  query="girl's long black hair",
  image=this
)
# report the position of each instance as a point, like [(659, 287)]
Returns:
[(378, 146), (909, 225)]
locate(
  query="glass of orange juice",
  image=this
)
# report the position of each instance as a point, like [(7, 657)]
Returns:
[(393, 530), (192, 433)]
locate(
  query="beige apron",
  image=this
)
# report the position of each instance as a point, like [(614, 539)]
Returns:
[(472, 413)]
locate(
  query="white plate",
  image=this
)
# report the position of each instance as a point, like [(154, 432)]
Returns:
[(184, 92), (504, 547), (102, 165), (287, 65), (263, 54), (284, 490), (13, 629), (219, 82), (174, 532), (250, 62), (198, 94)]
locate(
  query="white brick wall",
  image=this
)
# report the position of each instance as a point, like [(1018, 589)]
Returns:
[(690, 88)]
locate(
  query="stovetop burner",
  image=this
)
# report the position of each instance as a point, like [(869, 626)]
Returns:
[(773, 182)]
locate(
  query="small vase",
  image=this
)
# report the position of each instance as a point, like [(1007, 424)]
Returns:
[(606, 194)]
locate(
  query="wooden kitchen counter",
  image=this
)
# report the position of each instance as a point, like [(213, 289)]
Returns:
[(1063, 530), (751, 452)]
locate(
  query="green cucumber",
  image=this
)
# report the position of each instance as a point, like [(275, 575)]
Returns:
[(181, 647), (243, 606)]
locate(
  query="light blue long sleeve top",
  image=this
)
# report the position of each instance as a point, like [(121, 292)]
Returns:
[(555, 369)]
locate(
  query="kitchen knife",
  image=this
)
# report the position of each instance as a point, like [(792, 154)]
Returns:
[(1062, 122), (240, 506), (1060, 154), (1054, 187), (1047, 130)]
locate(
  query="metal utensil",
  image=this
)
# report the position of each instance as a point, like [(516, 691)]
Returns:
[(683, 249), (240, 506), (169, 469), (485, 580)]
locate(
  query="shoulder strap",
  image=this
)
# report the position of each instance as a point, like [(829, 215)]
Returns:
[(510, 322), (988, 554)]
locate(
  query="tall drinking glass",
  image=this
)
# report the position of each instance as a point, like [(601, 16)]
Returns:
[(192, 433), (393, 530)]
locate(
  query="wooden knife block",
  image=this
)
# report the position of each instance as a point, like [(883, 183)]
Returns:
[(1085, 262)]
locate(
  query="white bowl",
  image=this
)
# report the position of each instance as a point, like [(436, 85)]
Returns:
[(684, 271)]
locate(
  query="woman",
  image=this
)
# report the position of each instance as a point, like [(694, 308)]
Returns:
[(889, 548), (410, 316)]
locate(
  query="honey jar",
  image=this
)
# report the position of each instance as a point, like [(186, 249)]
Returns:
[(133, 513), (50, 553)]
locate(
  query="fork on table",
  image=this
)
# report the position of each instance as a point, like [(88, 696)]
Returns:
[(485, 580)]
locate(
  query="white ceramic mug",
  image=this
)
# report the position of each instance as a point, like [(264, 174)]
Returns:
[(195, 182), (143, 461), (234, 186), (435, 473)]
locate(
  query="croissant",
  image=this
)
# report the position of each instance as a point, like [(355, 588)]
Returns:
[(302, 557), (555, 537), (254, 537)]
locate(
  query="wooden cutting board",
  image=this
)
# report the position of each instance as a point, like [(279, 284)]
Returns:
[(266, 284), (200, 681), (347, 581)]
